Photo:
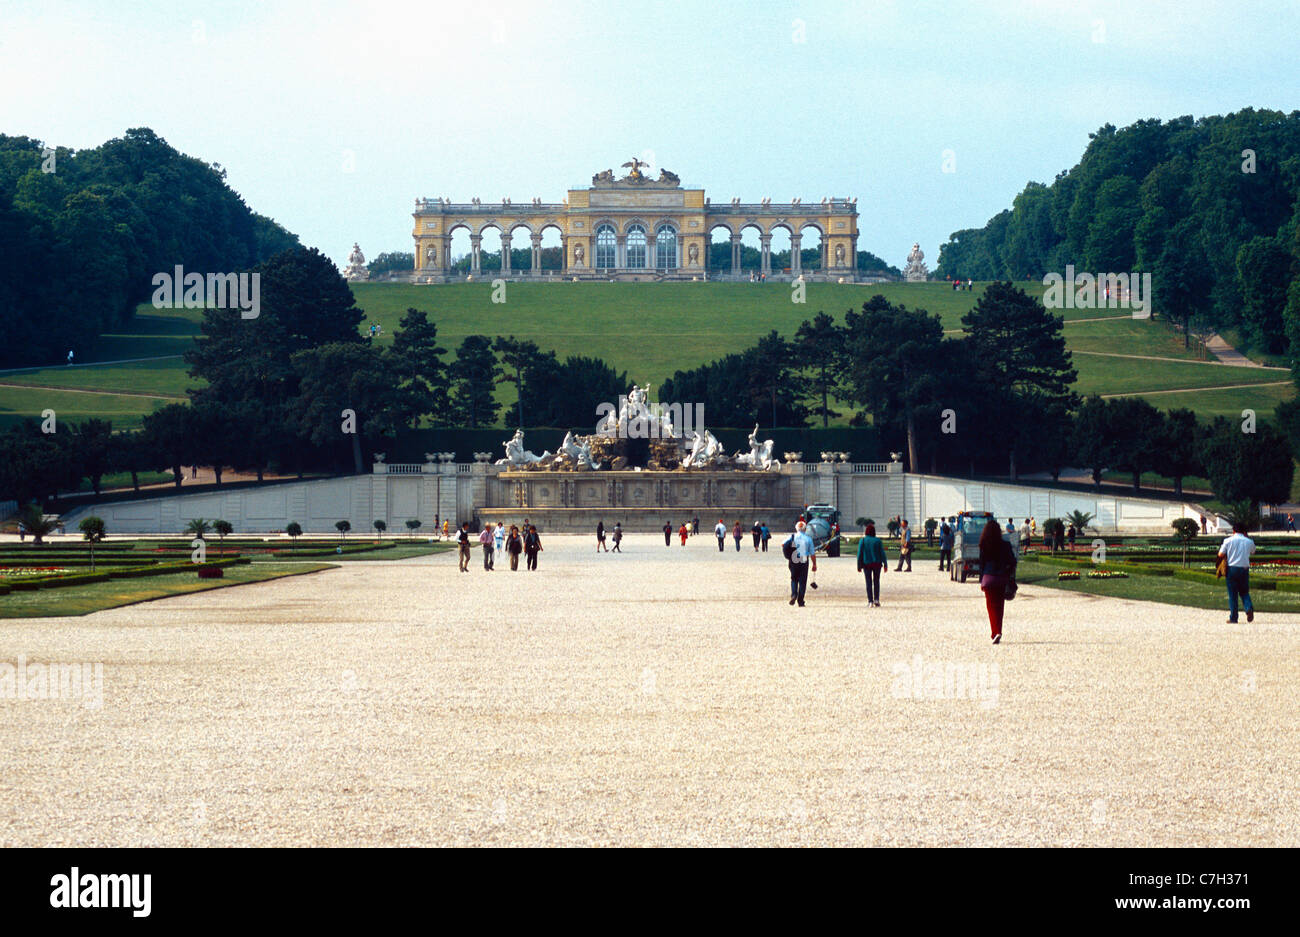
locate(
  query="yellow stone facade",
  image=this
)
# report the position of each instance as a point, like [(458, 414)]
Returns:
[(637, 228)]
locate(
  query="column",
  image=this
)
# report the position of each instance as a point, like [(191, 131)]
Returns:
[(853, 250), (475, 242), (650, 257), (796, 258), (564, 253), (765, 264), (735, 255), (620, 254), (505, 253)]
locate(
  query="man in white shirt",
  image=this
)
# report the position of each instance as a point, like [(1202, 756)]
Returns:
[(802, 553), (721, 533), (1236, 551)]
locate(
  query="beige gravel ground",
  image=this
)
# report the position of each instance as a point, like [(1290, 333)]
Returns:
[(666, 696)]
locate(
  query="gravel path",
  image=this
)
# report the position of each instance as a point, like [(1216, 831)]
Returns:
[(666, 696)]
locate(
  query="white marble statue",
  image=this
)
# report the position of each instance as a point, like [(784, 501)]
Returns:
[(759, 454), (516, 454), (916, 270), (705, 450)]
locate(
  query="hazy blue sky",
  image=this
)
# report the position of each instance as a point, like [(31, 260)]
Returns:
[(332, 117)]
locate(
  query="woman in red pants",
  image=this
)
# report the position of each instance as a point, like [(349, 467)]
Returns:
[(997, 570)]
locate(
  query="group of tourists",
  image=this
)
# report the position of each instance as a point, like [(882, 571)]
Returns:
[(997, 557), (997, 564), (759, 532), (616, 535), (496, 541)]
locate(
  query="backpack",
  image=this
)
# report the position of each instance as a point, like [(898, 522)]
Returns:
[(787, 548)]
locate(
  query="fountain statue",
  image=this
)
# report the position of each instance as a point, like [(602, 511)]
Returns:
[(516, 454)]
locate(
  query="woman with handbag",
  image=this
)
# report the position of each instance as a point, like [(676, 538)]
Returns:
[(871, 560), (997, 575)]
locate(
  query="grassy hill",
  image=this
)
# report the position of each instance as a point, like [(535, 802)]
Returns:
[(648, 329)]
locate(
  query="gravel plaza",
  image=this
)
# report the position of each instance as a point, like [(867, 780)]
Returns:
[(666, 696)]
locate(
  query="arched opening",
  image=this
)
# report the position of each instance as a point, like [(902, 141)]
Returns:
[(666, 252), (812, 248), (521, 249), (751, 249), (719, 259), (489, 251), (636, 258), (458, 258), (606, 247), (779, 248), (552, 248)]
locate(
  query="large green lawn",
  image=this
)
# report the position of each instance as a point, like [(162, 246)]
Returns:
[(648, 330), (97, 596)]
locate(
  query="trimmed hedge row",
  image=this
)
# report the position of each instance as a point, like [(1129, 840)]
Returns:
[(1262, 583), (31, 584)]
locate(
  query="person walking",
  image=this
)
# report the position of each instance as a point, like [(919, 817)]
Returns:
[(738, 533), (600, 537), (499, 541), (720, 531), (695, 525), (668, 533), (1290, 523), (1070, 534), (618, 536), (532, 546), (683, 532), (945, 547), (905, 547), (1024, 533), (757, 531), (462, 546), (485, 539), (871, 559), (799, 553), (997, 575), (514, 546), (1236, 552), (766, 535)]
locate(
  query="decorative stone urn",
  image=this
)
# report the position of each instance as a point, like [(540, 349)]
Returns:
[(482, 456)]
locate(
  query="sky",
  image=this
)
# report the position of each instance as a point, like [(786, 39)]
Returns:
[(333, 117)]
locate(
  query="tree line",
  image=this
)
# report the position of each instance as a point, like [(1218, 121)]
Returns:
[(82, 234), (1209, 207)]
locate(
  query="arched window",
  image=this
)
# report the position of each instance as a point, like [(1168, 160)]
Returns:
[(666, 247), (636, 246), (605, 248)]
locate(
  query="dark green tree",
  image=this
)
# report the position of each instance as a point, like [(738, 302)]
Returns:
[(474, 376)]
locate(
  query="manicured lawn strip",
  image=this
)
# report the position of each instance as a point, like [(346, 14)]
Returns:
[(1172, 590), (94, 597)]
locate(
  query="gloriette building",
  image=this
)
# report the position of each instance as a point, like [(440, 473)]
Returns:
[(637, 228)]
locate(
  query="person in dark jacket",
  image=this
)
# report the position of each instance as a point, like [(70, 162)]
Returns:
[(871, 560), (600, 537), (946, 537), (997, 571), (757, 531), (514, 546), (738, 534), (532, 546), (462, 546), (668, 533)]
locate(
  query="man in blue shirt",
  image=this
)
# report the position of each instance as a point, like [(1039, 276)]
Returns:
[(1236, 552), (801, 554)]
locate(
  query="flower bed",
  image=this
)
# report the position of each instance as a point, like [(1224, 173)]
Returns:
[(1065, 574), (1107, 574), (15, 571)]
